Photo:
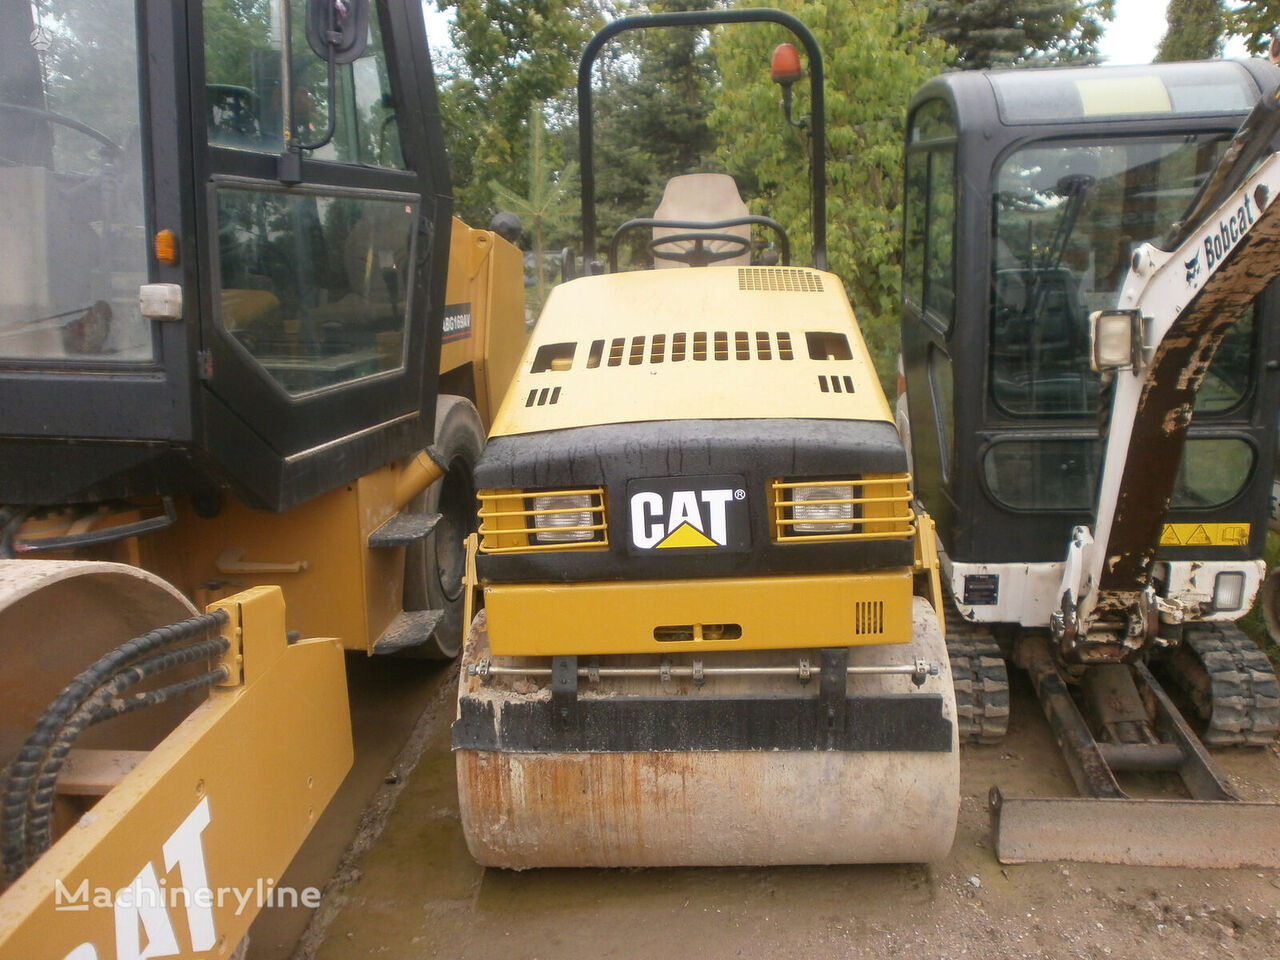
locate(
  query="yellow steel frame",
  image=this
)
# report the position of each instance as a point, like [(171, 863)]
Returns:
[(777, 612), (486, 274), (221, 804)]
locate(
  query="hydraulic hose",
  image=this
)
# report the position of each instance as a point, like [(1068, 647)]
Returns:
[(20, 777), (105, 704)]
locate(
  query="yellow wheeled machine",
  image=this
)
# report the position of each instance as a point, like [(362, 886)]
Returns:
[(711, 630), (246, 358), (199, 811)]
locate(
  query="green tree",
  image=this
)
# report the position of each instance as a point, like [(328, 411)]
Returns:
[(1195, 31), (652, 93), (990, 33), (876, 55), (508, 55), (546, 208), (1255, 22)]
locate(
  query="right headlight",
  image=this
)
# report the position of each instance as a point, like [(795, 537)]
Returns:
[(822, 509)]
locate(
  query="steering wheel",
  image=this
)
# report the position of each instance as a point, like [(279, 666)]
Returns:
[(699, 255), (48, 115), (700, 234)]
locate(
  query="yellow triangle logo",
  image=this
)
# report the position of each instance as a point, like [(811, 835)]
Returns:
[(1199, 537), (1170, 536), (687, 535)]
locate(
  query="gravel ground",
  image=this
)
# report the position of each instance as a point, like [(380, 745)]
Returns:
[(414, 892)]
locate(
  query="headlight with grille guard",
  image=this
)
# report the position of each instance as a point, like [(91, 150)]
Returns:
[(562, 519), (812, 515)]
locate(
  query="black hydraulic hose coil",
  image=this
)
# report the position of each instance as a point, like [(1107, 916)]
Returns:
[(19, 777), (106, 703)]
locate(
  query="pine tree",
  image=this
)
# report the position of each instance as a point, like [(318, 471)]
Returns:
[(1195, 31), (994, 33), (508, 55)]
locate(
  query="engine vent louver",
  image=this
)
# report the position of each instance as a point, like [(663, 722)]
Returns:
[(779, 280), (834, 384), (542, 398), (701, 345), (868, 618)]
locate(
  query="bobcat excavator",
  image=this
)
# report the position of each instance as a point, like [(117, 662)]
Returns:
[(1084, 243), (712, 623), (245, 359)]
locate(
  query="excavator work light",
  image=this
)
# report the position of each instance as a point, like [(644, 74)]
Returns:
[(1116, 339)]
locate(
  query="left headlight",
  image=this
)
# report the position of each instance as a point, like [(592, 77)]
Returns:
[(563, 519)]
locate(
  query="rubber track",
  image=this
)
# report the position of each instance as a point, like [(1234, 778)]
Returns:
[(1241, 701), (981, 679)]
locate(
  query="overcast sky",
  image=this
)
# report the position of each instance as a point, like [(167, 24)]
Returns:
[(1132, 37)]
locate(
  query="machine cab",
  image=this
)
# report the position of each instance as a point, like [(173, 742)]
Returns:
[(1026, 193), (285, 223)]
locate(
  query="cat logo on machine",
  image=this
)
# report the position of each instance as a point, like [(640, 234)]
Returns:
[(688, 513)]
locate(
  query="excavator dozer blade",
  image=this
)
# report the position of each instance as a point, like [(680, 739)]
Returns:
[(1223, 834), (649, 777)]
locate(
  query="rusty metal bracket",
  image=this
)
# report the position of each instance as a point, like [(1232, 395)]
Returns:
[(832, 684), (564, 689)]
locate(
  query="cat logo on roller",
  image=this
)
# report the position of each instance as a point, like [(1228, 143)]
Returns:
[(688, 513)]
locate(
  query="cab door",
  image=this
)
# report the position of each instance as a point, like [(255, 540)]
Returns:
[(321, 277)]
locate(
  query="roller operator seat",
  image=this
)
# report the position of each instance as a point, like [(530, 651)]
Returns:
[(702, 198)]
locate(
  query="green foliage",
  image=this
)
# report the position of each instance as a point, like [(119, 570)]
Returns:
[(1255, 22), (989, 33), (547, 208), (1195, 31), (651, 98), (233, 29), (509, 55), (876, 55)]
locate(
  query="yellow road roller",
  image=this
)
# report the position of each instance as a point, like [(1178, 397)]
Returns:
[(711, 630)]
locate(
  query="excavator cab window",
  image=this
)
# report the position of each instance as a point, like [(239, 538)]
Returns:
[(1025, 196), (1066, 217), (73, 227), (928, 269)]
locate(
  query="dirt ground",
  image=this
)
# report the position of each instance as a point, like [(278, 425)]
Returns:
[(415, 892)]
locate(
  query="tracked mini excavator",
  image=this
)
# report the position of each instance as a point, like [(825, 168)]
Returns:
[(712, 622), (245, 353), (1089, 348)]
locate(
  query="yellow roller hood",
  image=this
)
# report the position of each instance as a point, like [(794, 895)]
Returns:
[(705, 343)]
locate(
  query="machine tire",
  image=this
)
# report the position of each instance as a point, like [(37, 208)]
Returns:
[(433, 568)]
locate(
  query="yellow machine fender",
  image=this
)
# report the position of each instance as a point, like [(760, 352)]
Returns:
[(180, 855)]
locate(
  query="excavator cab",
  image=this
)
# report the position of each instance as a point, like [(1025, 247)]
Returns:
[(1026, 195), (222, 258), (1035, 203)]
